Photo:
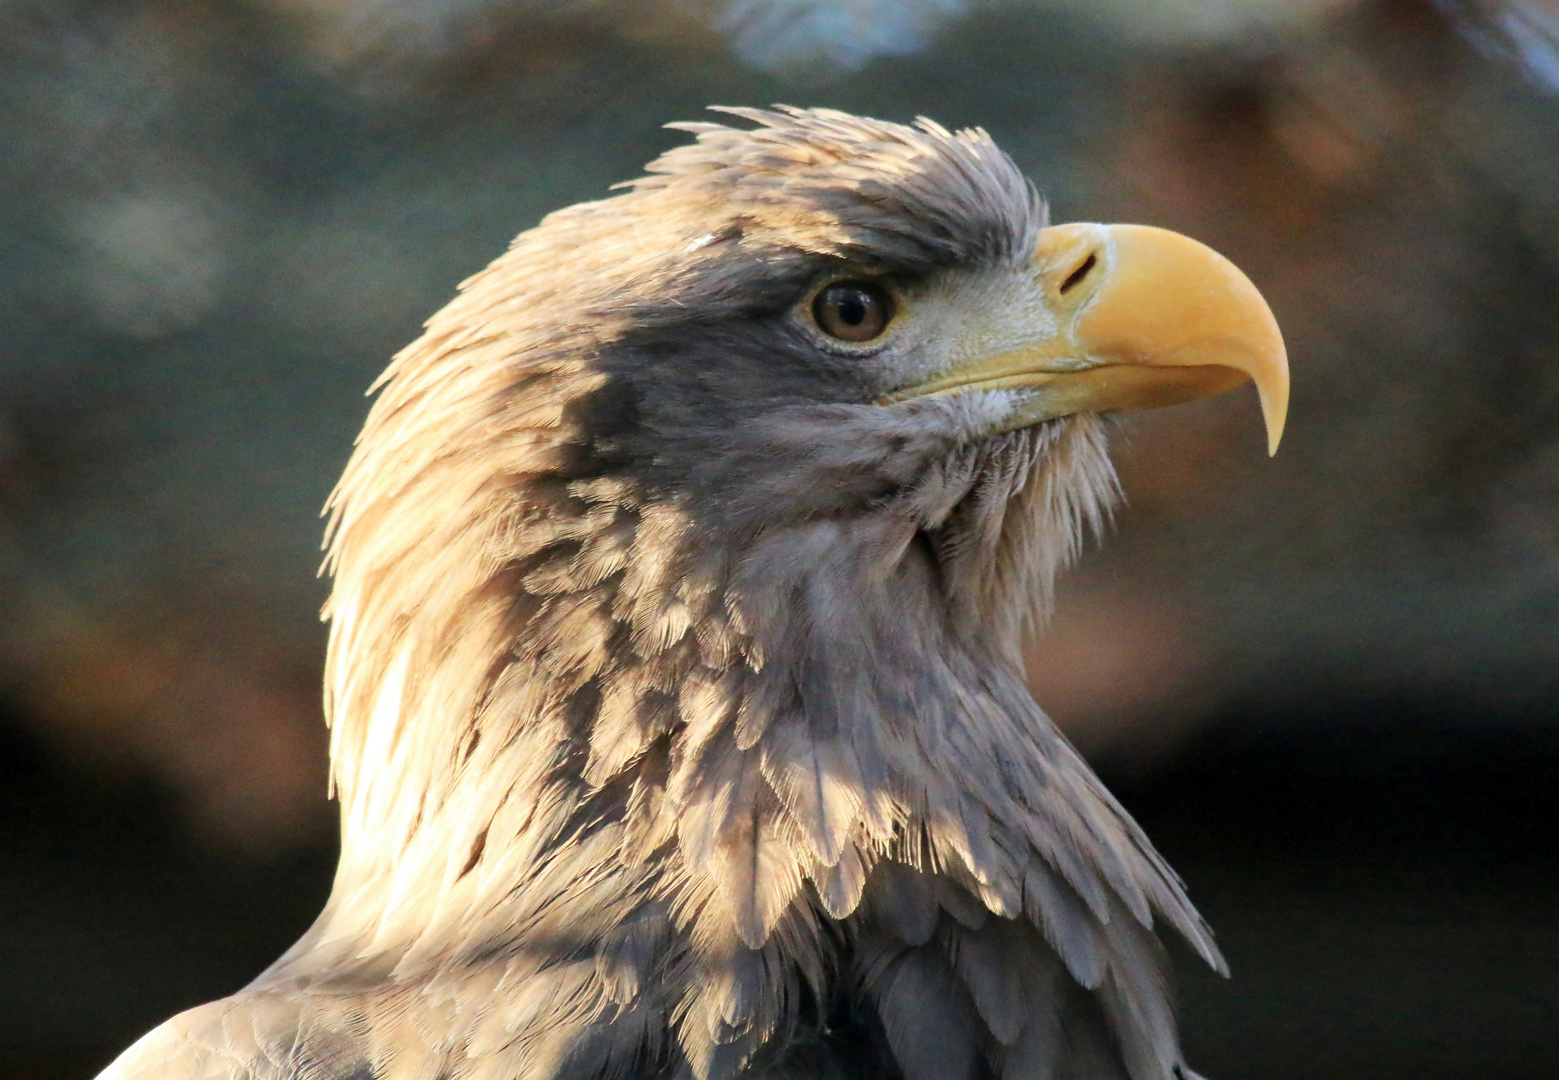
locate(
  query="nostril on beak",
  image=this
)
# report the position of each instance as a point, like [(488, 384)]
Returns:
[(1076, 277)]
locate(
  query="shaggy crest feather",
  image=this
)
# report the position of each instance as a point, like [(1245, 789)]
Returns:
[(677, 714)]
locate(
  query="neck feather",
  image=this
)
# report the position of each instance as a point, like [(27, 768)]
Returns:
[(519, 658), (649, 752)]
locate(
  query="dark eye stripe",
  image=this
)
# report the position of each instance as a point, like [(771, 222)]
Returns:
[(853, 311)]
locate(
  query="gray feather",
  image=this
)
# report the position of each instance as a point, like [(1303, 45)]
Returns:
[(987, 963), (926, 1014), (1069, 927)]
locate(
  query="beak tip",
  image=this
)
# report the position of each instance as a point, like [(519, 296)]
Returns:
[(1274, 411)]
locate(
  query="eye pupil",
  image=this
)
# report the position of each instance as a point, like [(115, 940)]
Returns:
[(853, 311)]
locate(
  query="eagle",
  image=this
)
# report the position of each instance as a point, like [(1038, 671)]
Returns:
[(680, 578)]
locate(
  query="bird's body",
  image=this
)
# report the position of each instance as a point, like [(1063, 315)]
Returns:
[(678, 720)]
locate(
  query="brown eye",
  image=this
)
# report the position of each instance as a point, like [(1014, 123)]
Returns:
[(853, 311)]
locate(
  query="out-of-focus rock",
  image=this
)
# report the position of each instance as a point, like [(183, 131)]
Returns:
[(153, 261), (1182, 24), (823, 35), (814, 36), (1525, 32), (228, 720), (1123, 670)]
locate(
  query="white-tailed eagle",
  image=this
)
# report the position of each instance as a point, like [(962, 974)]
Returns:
[(678, 720)]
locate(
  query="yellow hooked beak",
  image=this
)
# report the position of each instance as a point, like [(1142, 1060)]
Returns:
[(1142, 318)]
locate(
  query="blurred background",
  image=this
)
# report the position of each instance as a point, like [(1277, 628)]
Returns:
[(1328, 683)]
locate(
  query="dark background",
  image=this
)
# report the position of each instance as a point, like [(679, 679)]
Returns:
[(1327, 683)]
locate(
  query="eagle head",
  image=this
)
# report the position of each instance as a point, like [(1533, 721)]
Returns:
[(680, 572)]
